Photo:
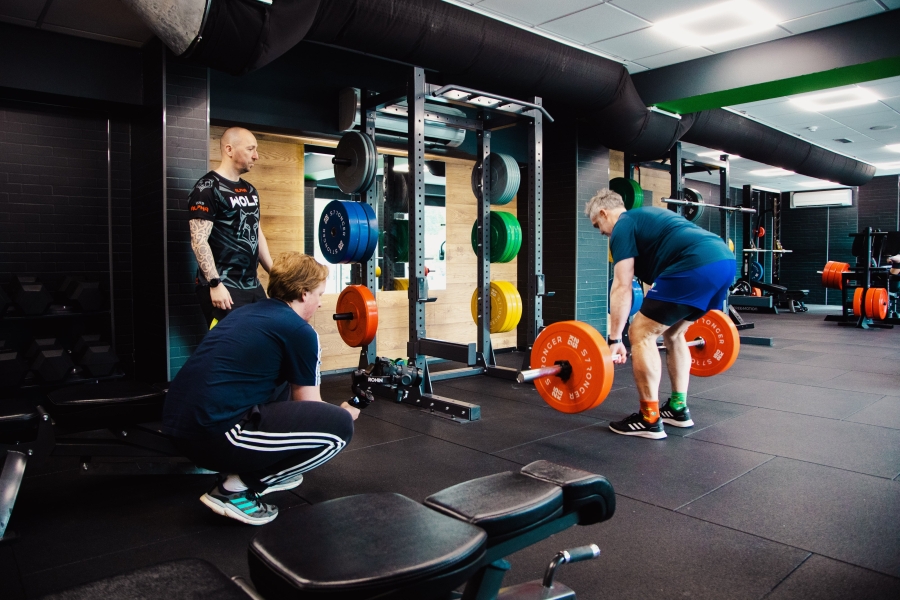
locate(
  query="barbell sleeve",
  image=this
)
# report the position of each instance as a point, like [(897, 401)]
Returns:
[(532, 374), (346, 162), (347, 316)]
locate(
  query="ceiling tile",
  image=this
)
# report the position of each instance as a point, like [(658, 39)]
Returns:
[(884, 88), (795, 9), (594, 24), (645, 42), (655, 10), (891, 3), (535, 12), (109, 18), (771, 109), (849, 12), (634, 67), (27, 10), (759, 38), (892, 103), (675, 56)]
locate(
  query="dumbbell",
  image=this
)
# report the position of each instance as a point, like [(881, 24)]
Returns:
[(574, 369), (94, 356), (49, 360), (12, 368), (356, 316), (83, 294), (30, 295)]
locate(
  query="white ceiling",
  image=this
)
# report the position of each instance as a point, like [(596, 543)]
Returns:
[(621, 29)]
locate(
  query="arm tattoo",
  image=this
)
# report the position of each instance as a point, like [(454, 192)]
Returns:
[(200, 231)]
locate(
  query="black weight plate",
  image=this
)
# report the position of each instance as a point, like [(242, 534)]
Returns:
[(353, 147), (693, 212), (373, 168), (505, 178)]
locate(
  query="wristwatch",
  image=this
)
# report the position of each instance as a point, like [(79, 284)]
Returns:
[(214, 282), (610, 340)]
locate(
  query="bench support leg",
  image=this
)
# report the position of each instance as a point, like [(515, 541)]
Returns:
[(485, 584)]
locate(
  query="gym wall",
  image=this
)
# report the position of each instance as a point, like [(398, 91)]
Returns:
[(65, 204), (278, 175)]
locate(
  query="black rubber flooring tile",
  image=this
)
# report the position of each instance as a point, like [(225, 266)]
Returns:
[(371, 431), (772, 354), (625, 378), (649, 552), (415, 467), (503, 423), (840, 444), (821, 578), (851, 362), (790, 373), (11, 585), (849, 350), (870, 383), (468, 387), (801, 399), (224, 545), (883, 413), (667, 473), (809, 506), (65, 518)]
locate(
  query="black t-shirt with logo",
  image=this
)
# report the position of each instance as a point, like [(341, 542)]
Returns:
[(233, 208)]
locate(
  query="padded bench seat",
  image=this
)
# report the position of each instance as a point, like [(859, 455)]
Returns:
[(363, 546), (104, 404), (186, 579)]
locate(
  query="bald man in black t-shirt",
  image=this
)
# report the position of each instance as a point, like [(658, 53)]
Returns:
[(225, 231)]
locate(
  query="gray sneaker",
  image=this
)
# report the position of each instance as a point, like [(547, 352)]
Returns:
[(240, 506), (288, 483)]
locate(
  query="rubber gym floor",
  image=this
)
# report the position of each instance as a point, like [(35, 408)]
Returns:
[(787, 487)]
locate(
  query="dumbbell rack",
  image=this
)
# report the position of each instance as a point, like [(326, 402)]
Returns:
[(494, 112)]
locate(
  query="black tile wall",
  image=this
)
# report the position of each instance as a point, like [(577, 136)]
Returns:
[(879, 203)]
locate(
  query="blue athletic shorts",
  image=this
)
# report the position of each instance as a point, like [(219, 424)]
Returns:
[(704, 288)]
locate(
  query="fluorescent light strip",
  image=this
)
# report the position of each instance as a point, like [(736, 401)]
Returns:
[(758, 20), (819, 102), (893, 147), (534, 30), (748, 117), (888, 166), (774, 172), (717, 153)]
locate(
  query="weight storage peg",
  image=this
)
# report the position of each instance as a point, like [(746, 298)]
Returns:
[(574, 369)]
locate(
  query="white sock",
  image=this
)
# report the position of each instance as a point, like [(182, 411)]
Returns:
[(233, 483)]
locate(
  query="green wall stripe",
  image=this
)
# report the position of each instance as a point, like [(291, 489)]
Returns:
[(879, 69)]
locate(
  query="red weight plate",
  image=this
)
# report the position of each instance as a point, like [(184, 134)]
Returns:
[(592, 367), (721, 347), (857, 301), (877, 303), (359, 301)]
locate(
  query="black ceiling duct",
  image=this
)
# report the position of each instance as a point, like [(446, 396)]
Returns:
[(470, 49)]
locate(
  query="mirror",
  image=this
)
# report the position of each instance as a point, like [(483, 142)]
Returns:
[(392, 209)]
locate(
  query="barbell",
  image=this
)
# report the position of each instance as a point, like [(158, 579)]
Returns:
[(573, 368)]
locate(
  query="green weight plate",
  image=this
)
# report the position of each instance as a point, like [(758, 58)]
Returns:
[(514, 236), (630, 190), (693, 213), (499, 237), (399, 239)]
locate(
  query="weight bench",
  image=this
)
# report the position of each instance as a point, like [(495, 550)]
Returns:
[(387, 546), (67, 422)]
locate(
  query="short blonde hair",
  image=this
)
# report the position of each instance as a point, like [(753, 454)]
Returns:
[(292, 274), (604, 199)]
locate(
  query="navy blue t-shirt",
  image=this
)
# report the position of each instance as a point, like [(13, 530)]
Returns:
[(662, 241), (238, 365)]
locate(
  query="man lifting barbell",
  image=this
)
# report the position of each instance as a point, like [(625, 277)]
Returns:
[(228, 410), (691, 270)]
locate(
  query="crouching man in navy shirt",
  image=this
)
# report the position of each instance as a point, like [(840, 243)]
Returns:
[(247, 403)]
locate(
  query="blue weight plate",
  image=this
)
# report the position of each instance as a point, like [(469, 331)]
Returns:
[(338, 232), (361, 225), (372, 223), (756, 271), (637, 296)]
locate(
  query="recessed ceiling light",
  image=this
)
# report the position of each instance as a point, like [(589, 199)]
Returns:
[(882, 127), (893, 147), (843, 140), (888, 166), (835, 100), (771, 172), (719, 23), (717, 153)]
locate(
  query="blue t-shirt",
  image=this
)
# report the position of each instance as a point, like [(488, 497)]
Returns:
[(662, 241), (238, 365)]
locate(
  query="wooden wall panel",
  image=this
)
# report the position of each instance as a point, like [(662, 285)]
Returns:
[(278, 175), (655, 181)]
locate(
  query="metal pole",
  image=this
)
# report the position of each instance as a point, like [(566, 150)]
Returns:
[(535, 270), (677, 176), (369, 352), (415, 99), (483, 343)]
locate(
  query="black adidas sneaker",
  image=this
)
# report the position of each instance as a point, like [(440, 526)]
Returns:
[(676, 418), (636, 425)]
